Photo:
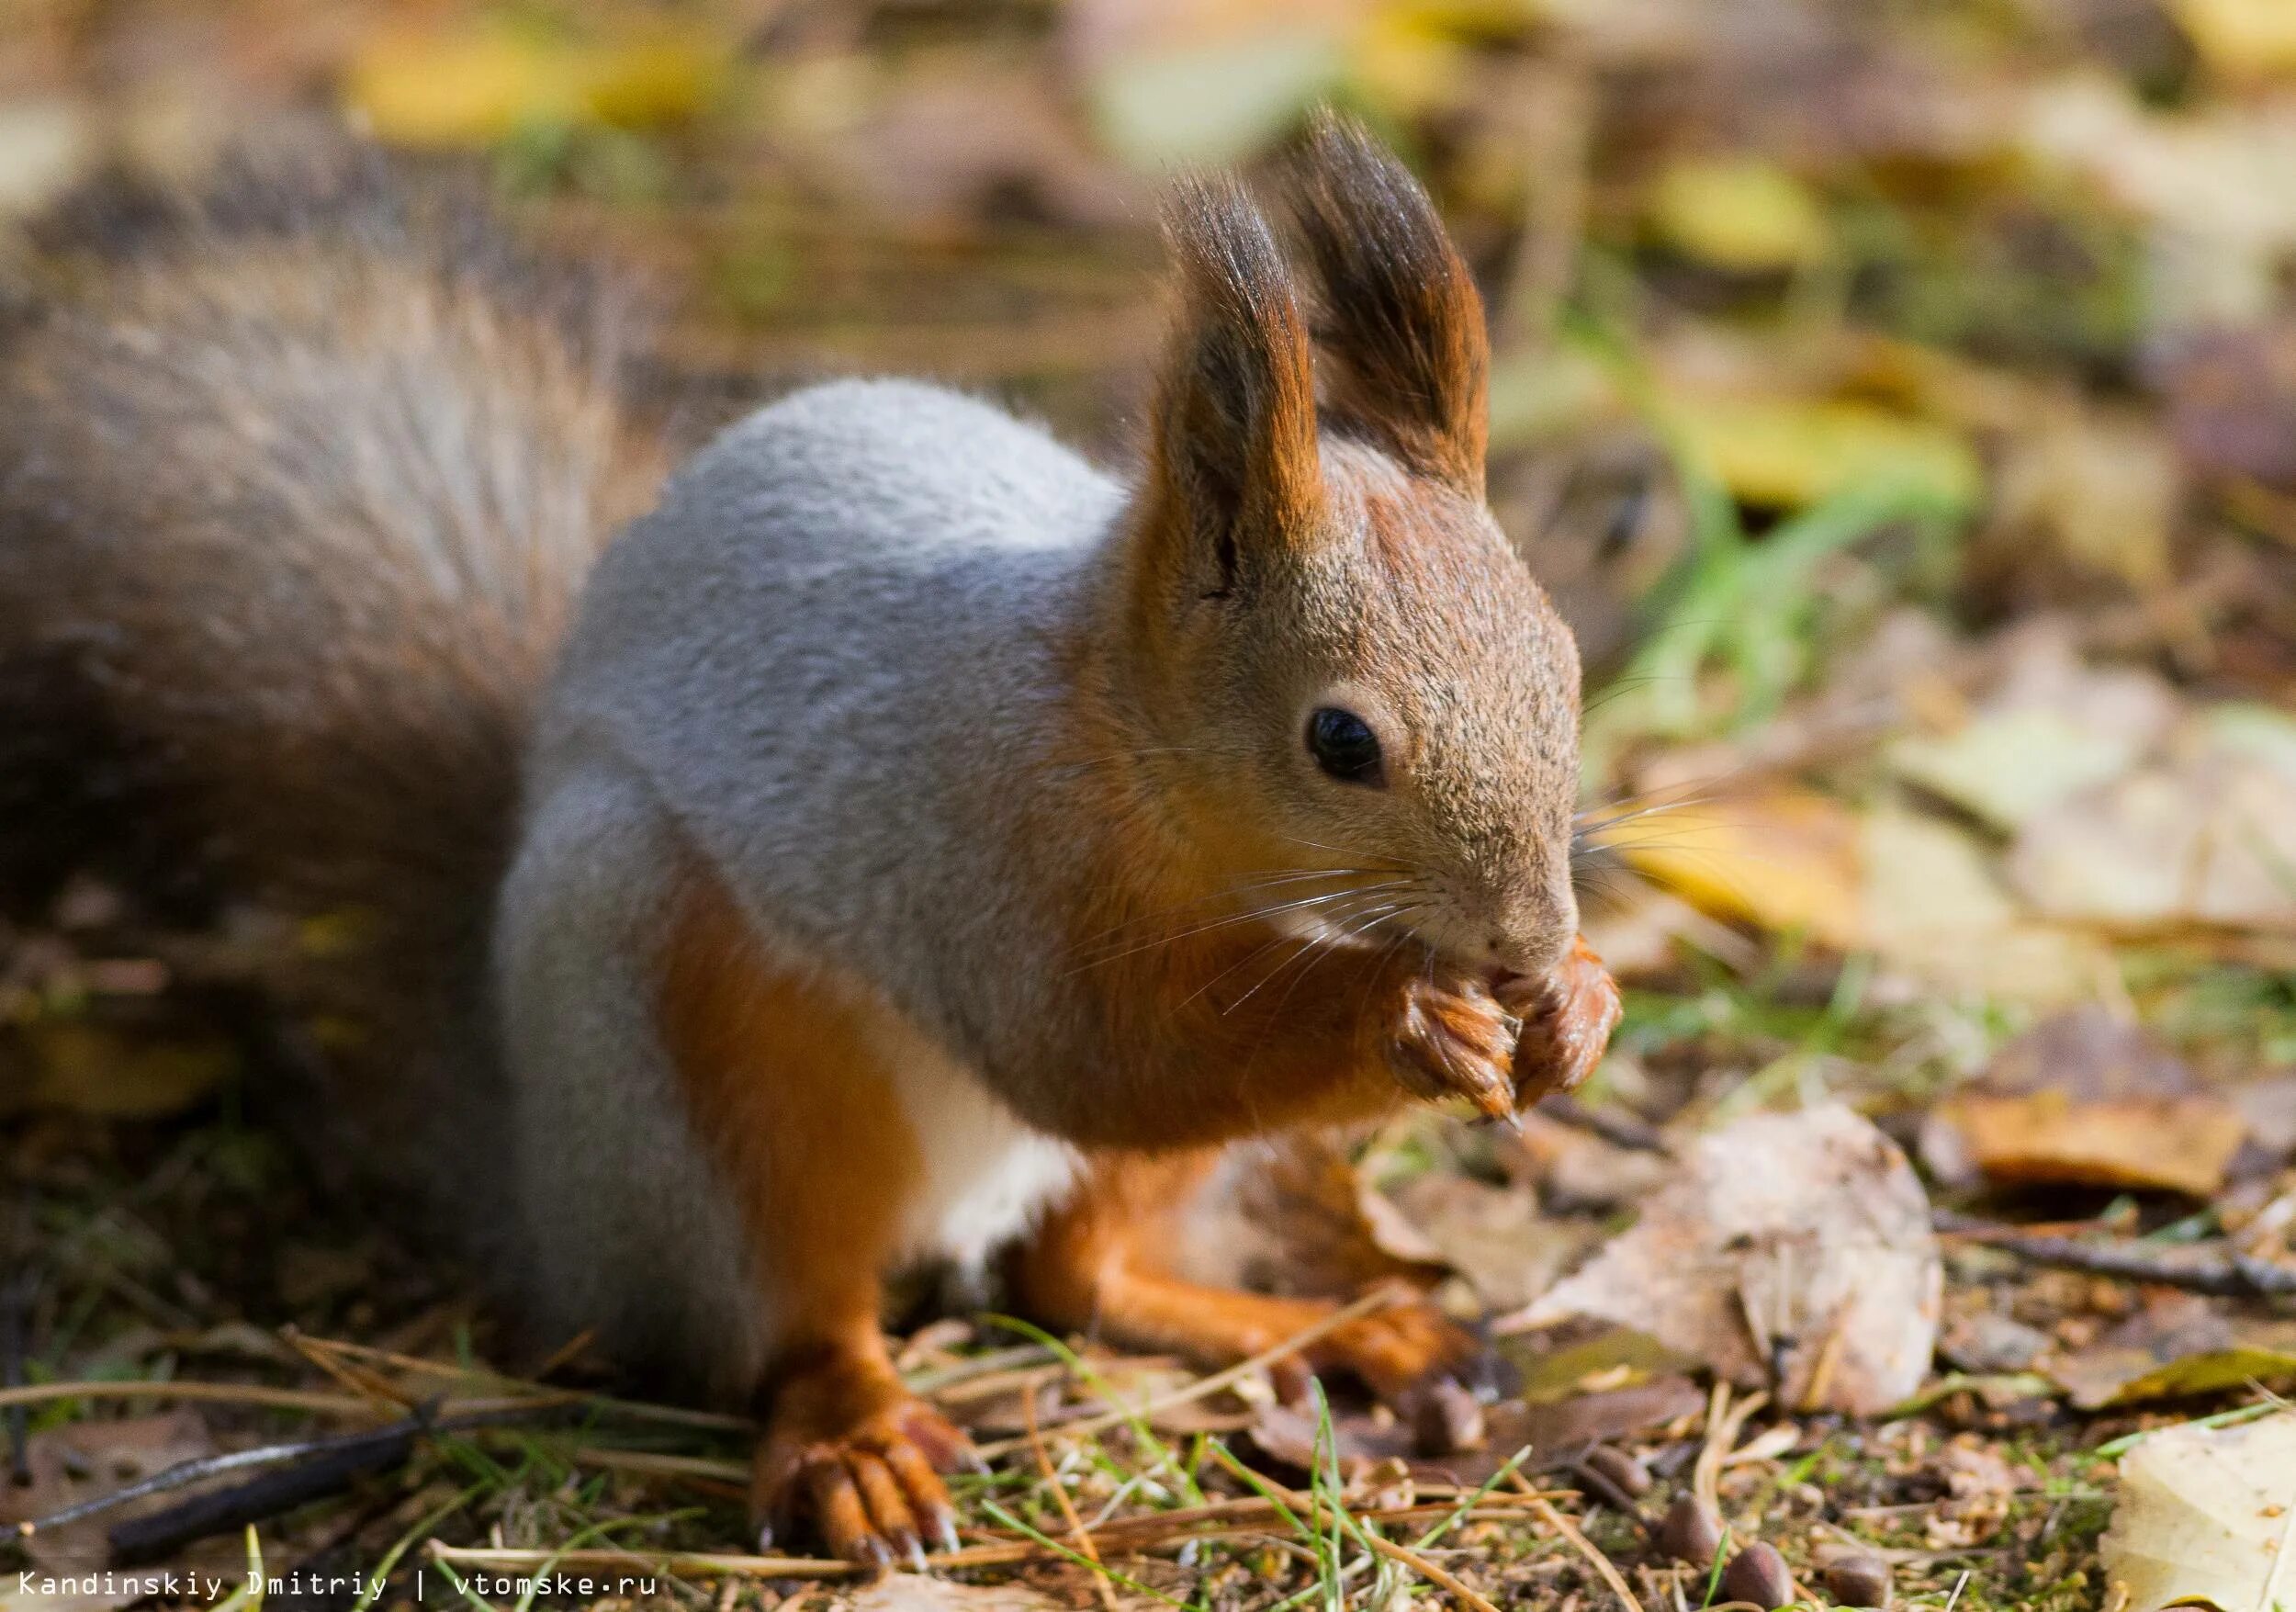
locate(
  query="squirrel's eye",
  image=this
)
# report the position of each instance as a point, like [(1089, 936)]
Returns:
[(1343, 745)]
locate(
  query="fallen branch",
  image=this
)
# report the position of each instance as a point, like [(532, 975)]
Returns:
[(164, 1532), (2219, 1272)]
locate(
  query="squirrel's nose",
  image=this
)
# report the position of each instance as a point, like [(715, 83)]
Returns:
[(1534, 950)]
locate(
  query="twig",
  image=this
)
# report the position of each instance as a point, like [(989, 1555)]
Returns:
[(1589, 1476), (669, 1416), (1723, 1422), (230, 1393), (1203, 1386), (164, 1532), (1077, 1529), (660, 1465), (1620, 1130), (1441, 1577), (1602, 1564), (2226, 1273), (211, 1466), (357, 1379)]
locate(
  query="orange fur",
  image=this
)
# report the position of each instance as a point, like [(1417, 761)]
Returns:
[(787, 1093), (1100, 1264)]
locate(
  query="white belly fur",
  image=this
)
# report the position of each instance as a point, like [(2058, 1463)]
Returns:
[(984, 1175)]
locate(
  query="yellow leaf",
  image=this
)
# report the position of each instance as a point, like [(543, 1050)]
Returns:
[(1782, 454), (2241, 38), (1780, 859), (463, 89), (473, 86), (87, 1069), (1405, 62), (653, 83), (1738, 213)]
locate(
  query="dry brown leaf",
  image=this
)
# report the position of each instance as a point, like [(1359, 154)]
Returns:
[(1802, 1237), (1556, 1428), (80, 1462), (2086, 1100), (1493, 1236), (2182, 1143), (2178, 1345)]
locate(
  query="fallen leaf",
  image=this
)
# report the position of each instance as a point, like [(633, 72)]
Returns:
[(82, 1461), (1738, 213), (2051, 727), (1552, 1430), (89, 1068), (2208, 838), (2182, 1143), (1784, 453), (2103, 488), (475, 85), (2206, 1517), (1493, 1236), (1294, 1215), (2083, 1099), (2178, 1345), (1779, 857), (2010, 766), (1936, 909), (1799, 1238), (2241, 38)]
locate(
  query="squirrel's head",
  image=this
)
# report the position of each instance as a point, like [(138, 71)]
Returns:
[(1352, 668)]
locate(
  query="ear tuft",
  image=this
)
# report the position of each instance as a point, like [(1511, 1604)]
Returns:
[(1235, 432), (1399, 315)]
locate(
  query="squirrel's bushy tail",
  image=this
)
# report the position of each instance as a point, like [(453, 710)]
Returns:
[(298, 480)]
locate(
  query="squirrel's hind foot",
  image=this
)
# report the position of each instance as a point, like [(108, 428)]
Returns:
[(859, 1462)]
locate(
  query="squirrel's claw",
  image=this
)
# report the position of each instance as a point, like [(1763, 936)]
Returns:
[(1568, 1018), (1454, 1042), (873, 1494)]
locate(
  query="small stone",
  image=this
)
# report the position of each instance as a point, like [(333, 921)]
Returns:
[(1621, 1468), (1858, 1579), (1759, 1575), (1690, 1532)]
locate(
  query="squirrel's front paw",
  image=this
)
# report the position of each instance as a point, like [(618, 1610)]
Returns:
[(1567, 1017), (870, 1488), (1452, 1039)]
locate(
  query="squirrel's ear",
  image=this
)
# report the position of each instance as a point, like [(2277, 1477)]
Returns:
[(1397, 313), (1234, 460)]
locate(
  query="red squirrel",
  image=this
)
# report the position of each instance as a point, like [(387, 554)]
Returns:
[(882, 836)]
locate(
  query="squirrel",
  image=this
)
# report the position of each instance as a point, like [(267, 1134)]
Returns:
[(883, 836)]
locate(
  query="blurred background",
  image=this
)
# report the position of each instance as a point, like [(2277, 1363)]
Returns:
[(1900, 398)]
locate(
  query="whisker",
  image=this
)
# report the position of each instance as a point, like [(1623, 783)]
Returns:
[(1221, 923), (1305, 942), (1243, 886), (1318, 944)]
